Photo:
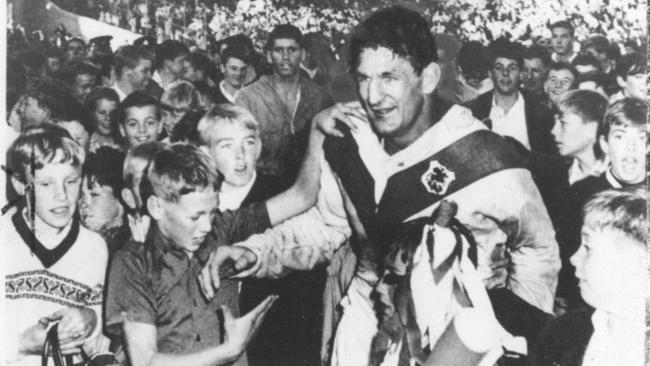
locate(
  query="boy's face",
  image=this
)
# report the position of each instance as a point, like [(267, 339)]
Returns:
[(99, 208), (505, 75), (626, 147), (139, 75), (76, 131), (140, 125), (561, 40), (235, 150), (56, 190), (170, 116), (102, 116), (32, 113), (572, 134), (635, 86), (610, 267), (234, 72), (186, 222), (558, 83), (83, 85)]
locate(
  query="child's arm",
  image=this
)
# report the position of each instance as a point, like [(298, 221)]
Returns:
[(143, 351)]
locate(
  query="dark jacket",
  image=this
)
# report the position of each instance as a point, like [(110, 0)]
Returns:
[(564, 341), (539, 121)]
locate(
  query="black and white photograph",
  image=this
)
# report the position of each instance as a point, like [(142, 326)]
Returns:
[(324, 183)]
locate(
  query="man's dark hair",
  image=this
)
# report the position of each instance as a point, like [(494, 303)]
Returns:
[(586, 59), (104, 167), (473, 60), (72, 68), (539, 52), (137, 99), (169, 50), (505, 48), (403, 31), (130, 56), (52, 95), (75, 39), (199, 61), (631, 64), (238, 51), (284, 31), (563, 24)]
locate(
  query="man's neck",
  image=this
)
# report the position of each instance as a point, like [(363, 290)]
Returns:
[(285, 82), (565, 57), (230, 89), (587, 159), (125, 86), (505, 101)]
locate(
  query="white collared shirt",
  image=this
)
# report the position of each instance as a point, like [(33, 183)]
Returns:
[(512, 123), (556, 58), (230, 197), (578, 172), (607, 349), (231, 97), (120, 93)]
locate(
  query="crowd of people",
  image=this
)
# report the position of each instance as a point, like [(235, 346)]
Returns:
[(412, 197)]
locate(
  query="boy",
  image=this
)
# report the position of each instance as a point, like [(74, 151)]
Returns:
[(631, 76), (580, 112), (611, 266), (56, 269), (100, 207), (561, 78), (139, 119), (230, 135), (153, 298)]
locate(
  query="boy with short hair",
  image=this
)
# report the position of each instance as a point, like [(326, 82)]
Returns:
[(580, 113), (611, 266), (139, 119), (631, 76), (56, 267), (153, 297)]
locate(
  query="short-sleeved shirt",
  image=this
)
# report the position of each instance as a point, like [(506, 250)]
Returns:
[(155, 282)]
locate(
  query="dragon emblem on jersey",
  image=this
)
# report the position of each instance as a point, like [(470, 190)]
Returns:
[(437, 178)]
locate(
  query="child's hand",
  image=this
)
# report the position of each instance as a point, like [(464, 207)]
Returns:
[(139, 226), (240, 331), (349, 113), (239, 258)]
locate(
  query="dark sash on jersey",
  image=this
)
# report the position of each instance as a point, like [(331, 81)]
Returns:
[(422, 185)]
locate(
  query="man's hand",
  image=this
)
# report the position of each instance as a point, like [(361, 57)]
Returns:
[(224, 262), (240, 331), (349, 113), (75, 325)]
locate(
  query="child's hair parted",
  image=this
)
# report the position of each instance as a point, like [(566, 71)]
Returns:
[(42, 145), (208, 125), (620, 210), (181, 169)]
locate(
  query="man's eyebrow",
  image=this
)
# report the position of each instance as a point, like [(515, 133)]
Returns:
[(224, 139)]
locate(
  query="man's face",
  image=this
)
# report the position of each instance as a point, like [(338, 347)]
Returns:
[(53, 64), (626, 147), (102, 114), (76, 49), (191, 74), (140, 125), (561, 40), (83, 85), (140, 75), (32, 113), (235, 150), (611, 269), (234, 72), (285, 57), (56, 190), (99, 207), (533, 75), (558, 83), (572, 134), (76, 131), (176, 66), (187, 222), (390, 91), (505, 75), (635, 86)]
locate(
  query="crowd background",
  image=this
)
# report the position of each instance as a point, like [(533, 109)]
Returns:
[(484, 21)]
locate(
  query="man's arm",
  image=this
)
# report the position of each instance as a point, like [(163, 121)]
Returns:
[(142, 349)]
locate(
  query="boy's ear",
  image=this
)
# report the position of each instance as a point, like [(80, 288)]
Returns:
[(18, 185), (154, 207), (222, 68), (122, 131), (259, 148), (604, 146), (430, 78), (620, 81), (128, 198)]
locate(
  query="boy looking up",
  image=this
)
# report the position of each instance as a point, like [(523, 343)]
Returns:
[(153, 298), (611, 266), (139, 119), (56, 269)]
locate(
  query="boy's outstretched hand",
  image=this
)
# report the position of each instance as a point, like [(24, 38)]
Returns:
[(225, 262), (240, 331)]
